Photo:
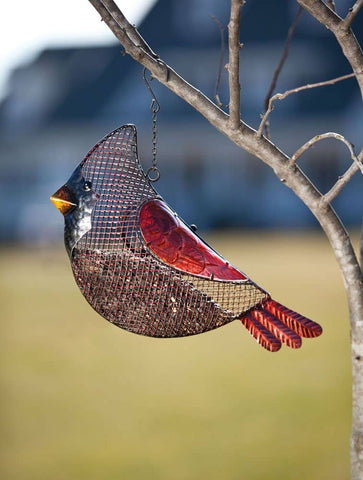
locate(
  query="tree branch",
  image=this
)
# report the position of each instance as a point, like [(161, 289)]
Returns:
[(319, 10), (346, 39), (361, 249), (221, 58), (281, 96), (331, 4), (129, 30), (248, 139), (352, 51), (341, 182), (352, 14), (234, 48), (323, 136), (245, 137), (283, 58), (345, 178)]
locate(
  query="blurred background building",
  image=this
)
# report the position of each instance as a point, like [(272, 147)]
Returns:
[(61, 103)]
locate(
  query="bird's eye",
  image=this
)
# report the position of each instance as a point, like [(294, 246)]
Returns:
[(87, 186)]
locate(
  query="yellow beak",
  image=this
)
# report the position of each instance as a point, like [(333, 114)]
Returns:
[(63, 199)]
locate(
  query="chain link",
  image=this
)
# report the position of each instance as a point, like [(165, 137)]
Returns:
[(153, 173)]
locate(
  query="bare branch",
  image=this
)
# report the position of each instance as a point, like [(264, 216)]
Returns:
[(281, 96), (246, 138), (340, 184), (122, 30), (346, 39), (175, 83), (130, 30), (352, 14), (331, 5), (345, 178), (322, 13), (234, 48), (221, 60), (323, 136), (285, 53)]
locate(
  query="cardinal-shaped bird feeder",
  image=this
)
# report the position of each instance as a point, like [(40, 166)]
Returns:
[(142, 268)]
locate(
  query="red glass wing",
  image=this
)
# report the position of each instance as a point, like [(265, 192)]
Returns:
[(177, 245)]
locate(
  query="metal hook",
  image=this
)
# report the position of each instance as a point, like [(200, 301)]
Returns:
[(155, 107)]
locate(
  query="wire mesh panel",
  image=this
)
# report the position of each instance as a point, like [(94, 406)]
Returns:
[(147, 286)]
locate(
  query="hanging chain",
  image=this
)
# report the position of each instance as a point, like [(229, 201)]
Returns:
[(153, 173)]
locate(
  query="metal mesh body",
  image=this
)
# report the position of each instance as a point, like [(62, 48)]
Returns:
[(118, 273)]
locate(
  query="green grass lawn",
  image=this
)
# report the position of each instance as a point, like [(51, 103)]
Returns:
[(82, 399)]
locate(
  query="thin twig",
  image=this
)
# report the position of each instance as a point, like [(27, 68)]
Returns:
[(342, 181), (221, 60), (346, 38), (353, 11), (323, 136), (283, 58), (331, 5), (129, 29), (281, 96), (234, 47)]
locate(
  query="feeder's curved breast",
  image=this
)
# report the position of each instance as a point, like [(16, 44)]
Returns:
[(140, 266), (171, 240)]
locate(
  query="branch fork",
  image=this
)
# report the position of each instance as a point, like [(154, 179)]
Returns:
[(256, 144), (233, 65), (357, 164)]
